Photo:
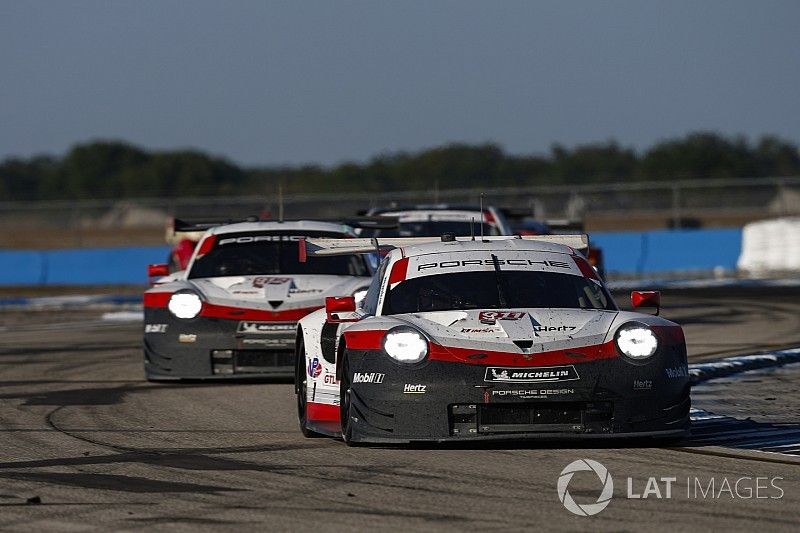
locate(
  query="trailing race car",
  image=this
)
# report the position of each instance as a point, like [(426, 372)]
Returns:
[(505, 338), (438, 219), (233, 313), (523, 223)]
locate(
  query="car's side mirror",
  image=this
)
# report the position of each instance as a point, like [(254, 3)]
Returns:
[(335, 305), (157, 271), (646, 299)]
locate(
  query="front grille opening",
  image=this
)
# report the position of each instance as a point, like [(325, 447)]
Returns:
[(250, 361), (517, 418)]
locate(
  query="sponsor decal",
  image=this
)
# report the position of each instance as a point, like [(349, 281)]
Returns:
[(330, 379), (268, 342), (410, 388), (677, 372), (305, 291), (187, 337), (155, 328), (531, 393), (531, 375), (314, 368), (261, 281), (491, 316), (260, 238), (540, 329), (368, 377), (490, 262), (263, 328), (475, 331), (642, 384)]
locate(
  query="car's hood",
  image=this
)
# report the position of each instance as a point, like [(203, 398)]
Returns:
[(277, 292), (496, 330)]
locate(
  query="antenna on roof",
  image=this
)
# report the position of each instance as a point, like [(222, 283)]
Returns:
[(472, 228), (280, 202), (481, 216)]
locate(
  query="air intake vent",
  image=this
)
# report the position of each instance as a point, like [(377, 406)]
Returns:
[(275, 303), (524, 345)]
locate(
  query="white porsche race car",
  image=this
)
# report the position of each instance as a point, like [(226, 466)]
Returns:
[(233, 313), (508, 337), (437, 219)]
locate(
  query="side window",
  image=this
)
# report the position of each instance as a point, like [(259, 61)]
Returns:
[(371, 300)]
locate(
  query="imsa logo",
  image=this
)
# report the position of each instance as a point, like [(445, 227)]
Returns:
[(531, 375)]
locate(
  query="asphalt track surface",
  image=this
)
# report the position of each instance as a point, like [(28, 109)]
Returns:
[(87, 444)]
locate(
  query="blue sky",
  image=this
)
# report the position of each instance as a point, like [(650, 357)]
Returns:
[(329, 81)]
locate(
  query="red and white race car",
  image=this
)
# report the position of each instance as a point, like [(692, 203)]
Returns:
[(501, 338), (233, 312)]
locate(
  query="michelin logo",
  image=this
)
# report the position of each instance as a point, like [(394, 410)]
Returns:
[(264, 327), (531, 375)]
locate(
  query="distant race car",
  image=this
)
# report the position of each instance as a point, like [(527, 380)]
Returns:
[(523, 223), (233, 313), (506, 338), (438, 219)]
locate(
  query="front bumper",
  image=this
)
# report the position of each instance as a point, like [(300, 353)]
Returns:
[(215, 348), (443, 401)]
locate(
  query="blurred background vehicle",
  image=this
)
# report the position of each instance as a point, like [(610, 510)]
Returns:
[(432, 220), (524, 223)]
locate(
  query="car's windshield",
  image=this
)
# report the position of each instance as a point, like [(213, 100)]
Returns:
[(270, 257), (432, 228), (495, 290)]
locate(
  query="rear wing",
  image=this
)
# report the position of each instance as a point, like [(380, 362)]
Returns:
[(188, 225), (194, 228), (324, 246), (565, 225), (185, 225)]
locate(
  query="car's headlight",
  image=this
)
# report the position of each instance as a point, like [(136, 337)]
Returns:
[(405, 344), (636, 341), (185, 305), (359, 295)]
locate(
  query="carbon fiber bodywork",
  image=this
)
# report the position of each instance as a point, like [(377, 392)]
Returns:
[(449, 401)]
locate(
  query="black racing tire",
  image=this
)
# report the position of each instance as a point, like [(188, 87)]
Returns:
[(301, 391), (344, 401)]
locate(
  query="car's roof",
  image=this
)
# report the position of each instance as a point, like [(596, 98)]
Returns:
[(511, 244), (293, 225)]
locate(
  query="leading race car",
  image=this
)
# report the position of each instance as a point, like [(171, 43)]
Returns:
[(233, 313), (505, 338)]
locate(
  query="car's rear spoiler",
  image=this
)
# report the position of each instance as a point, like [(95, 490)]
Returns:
[(564, 225), (202, 224), (192, 225), (324, 246)]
